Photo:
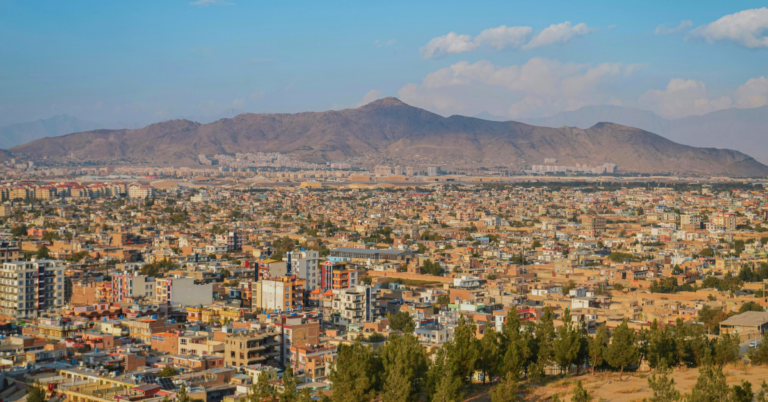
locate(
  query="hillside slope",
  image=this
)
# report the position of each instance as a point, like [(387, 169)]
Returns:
[(389, 126)]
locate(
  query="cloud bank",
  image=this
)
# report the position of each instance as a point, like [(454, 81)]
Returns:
[(748, 28), (503, 37)]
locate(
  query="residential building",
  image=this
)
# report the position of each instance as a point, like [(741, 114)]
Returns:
[(28, 288)]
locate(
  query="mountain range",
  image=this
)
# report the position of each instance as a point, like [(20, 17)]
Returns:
[(391, 127), (744, 130), (21, 133)]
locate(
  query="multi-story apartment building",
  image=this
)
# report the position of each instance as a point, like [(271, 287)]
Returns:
[(247, 348), (592, 225), (140, 191), (351, 306), (690, 222), (304, 264), (280, 294), (183, 291), (30, 287), (338, 275), (200, 345), (126, 286), (9, 252), (726, 221)]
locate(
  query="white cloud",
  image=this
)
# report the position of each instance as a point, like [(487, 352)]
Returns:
[(211, 3), (682, 98), (369, 97), (663, 30), (257, 95), (380, 43), (537, 88), (690, 97), (451, 43), (238, 102), (557, 33), (611, 26), (754, 93), (748, 28), (502, 37)]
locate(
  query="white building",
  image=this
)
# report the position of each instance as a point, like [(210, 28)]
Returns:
[(126, 285), (201, 197), (28, 288), (137, 191), (352, 306), (182, 291), (305, 265)]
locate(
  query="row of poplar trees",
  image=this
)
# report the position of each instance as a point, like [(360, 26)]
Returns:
[(401, 370)]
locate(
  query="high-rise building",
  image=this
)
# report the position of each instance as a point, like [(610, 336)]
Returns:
[(279, 294), (31, 287), (592, 225), (351, 306), (690, 221), (140, 191), (433, 171), (126, 286), (304, 264), (338, 275), (727, 221)]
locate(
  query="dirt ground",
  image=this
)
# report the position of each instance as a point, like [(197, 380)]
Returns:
[(632, 388)]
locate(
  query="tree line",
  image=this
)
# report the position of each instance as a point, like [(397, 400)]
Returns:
[(401, 371)]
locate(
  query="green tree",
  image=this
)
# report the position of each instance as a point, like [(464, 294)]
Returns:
[(566, 345), (225, 273), (506, 390), (598, 345), (515, 346), (288, 393), (488, 361), (711, 386), (580, 394), (442, 385), (463, 352), (402, 321), (759, 355), (663, 386), (622, 350), (660, 345), (36, 393), (750, 306), (405, 365), (42, 253), (355, 374), (19, 231), (182, 396), (167, 371), (725, 349), (545, 339), (261, 390)]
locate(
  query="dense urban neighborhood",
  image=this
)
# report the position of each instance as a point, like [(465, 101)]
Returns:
[(220, 288)]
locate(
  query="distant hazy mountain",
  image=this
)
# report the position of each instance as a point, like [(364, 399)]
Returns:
[(21, 133), (744, 130), (205, 119), (491, 117), (390, 127)]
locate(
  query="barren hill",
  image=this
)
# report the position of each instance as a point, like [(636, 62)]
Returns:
[(389, 126)]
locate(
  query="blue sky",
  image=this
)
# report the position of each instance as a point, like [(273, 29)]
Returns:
[(145, 61)]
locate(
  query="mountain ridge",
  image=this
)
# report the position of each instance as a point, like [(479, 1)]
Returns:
[(21, 133), (390, 127), (741, 129)]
